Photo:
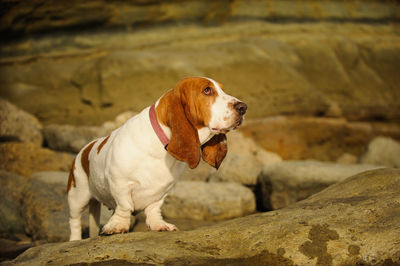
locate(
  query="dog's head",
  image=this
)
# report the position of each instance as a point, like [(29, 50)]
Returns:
[(194, 104)]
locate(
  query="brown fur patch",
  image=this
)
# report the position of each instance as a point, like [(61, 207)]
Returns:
[(102, 144), (71, 178), (85, 158)]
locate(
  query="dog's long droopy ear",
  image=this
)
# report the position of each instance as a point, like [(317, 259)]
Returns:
[(184, 144), (214, 150)]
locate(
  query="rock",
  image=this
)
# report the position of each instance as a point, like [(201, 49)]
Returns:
[(18, 125), (244, 161), (182, 224), (19, 15), (353, 222), (28, 158), (11, 188), (201, 173), (238, 168), (291, 181), (383, 151), (93, 76), (45, 207), (319, 138), (72, 138), (208, 201), (347, 158), (10, 249)]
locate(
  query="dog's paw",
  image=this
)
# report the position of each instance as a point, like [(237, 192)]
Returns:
[(162, 226), (115, 227)]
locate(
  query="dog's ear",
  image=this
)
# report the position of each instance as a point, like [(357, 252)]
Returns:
[(184, 144), (214, 150)]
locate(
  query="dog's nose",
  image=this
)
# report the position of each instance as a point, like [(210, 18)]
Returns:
[(240, 108)]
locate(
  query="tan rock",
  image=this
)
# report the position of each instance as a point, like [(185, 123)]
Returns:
[(11, 192), (28, 158), (244, 161), (197, 200), (352, 222), (72, 138), (242, 164), (309, 69), (383, 151), (324, 139), (18, 125)]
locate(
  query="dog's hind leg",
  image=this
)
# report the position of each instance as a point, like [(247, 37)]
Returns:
[(94, 217), (78, 199)]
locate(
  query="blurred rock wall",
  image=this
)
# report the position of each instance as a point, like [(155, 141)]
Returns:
[(84, 62)]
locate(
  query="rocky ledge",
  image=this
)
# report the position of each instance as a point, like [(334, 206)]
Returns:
[(354, 222)]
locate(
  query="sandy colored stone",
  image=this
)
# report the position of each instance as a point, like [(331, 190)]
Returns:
[(11, 193), (37, 16), (45, 207), (244, 161), (383, 151), (309, 69), (71, 138), (27, 158), (319, 138), (353, 222), (242, 164), (18, 125), (198, 200)]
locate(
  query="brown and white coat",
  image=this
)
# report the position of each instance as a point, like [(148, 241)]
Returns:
[(130, 170)]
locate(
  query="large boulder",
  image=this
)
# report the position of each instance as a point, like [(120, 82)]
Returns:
[(198, 200), (73, 138), (93, 76), (319, 138), (354, 222), (28, 158), (11, 192), (291, 181), (18, 125), (31, 17), (45, 207), (243, 162), (383, 151)]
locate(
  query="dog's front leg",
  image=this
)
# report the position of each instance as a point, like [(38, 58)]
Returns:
[(121, 219), (154, 220)]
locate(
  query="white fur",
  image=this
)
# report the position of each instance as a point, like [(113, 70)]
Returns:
[(223, 117), (132, 172)]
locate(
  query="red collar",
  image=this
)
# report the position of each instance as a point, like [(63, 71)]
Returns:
[(157, 128)]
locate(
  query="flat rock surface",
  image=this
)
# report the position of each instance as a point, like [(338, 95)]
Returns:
[(355, 221)]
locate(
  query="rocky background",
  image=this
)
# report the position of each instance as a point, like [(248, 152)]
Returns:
[(322, 82)]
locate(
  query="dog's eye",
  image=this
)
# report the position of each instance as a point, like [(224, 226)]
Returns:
[(207, 91)]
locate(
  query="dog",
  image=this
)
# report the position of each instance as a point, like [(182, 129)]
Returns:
[(135, 167)]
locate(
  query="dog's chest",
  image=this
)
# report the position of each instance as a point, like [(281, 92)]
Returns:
[(154, 187)]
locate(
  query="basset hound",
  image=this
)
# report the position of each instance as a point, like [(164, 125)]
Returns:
[(135, 167)]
